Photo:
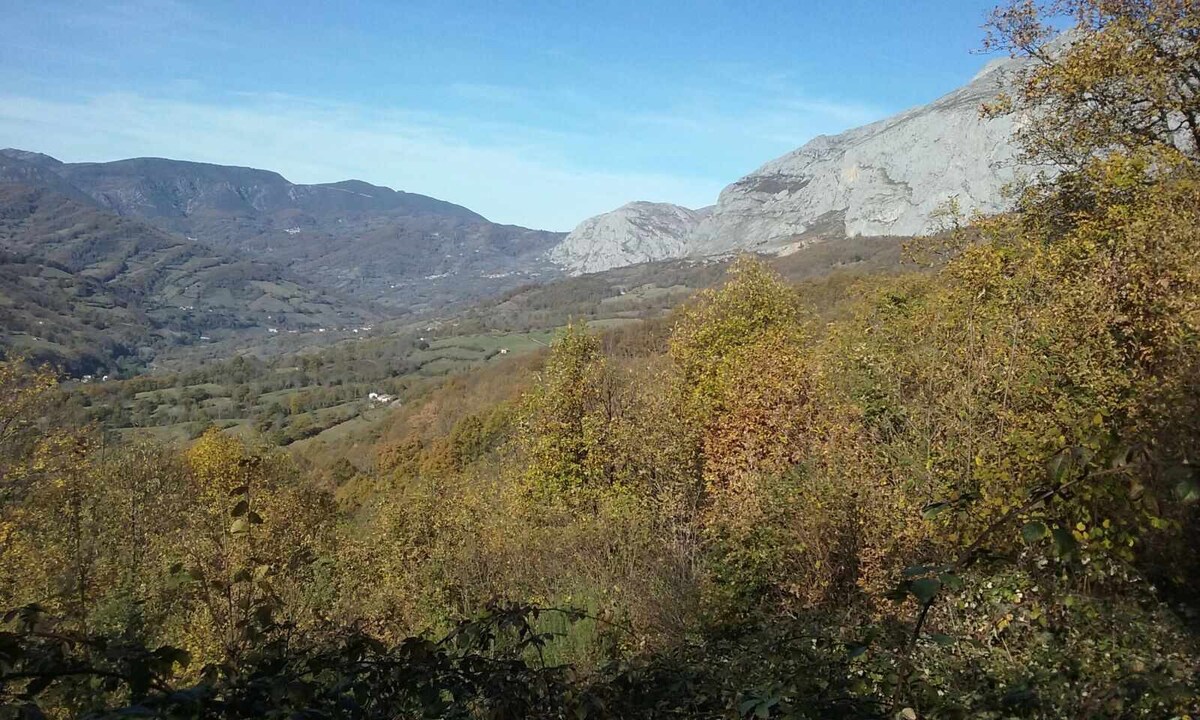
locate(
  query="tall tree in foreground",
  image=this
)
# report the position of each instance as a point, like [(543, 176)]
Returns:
[(1125, 77)]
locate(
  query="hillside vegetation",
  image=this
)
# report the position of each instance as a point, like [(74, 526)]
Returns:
[(367, 242), (964, 490), (315, 386), (96, 292)]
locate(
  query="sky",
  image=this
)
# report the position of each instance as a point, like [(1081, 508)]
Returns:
[(533, 113)]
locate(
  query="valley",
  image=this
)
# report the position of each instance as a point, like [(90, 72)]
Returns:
[(350, 254), (902, 425), (301, 266), (311, 390)]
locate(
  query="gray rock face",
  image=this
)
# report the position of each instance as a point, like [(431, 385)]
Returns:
[(634, 233), (886, 178)]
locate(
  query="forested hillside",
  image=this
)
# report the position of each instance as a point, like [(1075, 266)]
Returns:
[(95, 293), (366, 242), (313, 388), (966, 489)]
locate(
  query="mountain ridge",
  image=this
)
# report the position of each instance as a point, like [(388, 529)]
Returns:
[(84, 288), (634, 233), (378, 245), (886, 178)]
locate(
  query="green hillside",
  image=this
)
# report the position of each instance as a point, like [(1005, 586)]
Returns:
[(108, 290)]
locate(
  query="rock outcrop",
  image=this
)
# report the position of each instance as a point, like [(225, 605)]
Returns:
[(886, 178), (634, 233)]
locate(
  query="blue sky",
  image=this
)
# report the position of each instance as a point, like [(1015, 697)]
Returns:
[(533, 113)]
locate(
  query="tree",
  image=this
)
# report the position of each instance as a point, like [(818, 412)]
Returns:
[(1126, 76), (564, 425), (719, 323), (26, 398), (249, 537)]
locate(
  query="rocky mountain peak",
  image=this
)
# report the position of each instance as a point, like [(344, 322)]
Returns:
[(885, 178), (634, 233)]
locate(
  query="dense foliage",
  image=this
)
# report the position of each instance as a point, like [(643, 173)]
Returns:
[(965, 491)]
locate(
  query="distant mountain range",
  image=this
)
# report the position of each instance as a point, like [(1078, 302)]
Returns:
[(86, 288), (372, 243), (106, 260), (883, 179)]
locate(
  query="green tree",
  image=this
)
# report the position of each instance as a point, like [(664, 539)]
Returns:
[(564, 426), (712, 329)]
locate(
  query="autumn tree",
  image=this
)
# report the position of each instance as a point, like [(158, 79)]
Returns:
[(49, 515), (26, 399), (564, 426), (712, 329), (1126, 75), (246, 548)]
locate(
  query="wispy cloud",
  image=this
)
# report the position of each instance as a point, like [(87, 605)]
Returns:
[(742, 101), (531, 117), (544, 155), (312, 141)]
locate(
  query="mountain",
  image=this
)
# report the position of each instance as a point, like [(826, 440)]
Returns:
[(886, 178), (37, 170), (369, 242), (238, 200), (86, 288), (635, 233)]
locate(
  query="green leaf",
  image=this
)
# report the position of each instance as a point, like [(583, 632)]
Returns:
[(1136, 489), (1188, 489), (925, 589), (239, 526), (942, 639), (1083, 456), (1059, 465), (934, 509), (1124, 455), (1033, 531), (1150, 502), (1064, 543), (951, 581)]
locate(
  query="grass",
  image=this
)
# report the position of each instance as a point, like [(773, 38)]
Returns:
[(344, 419)]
